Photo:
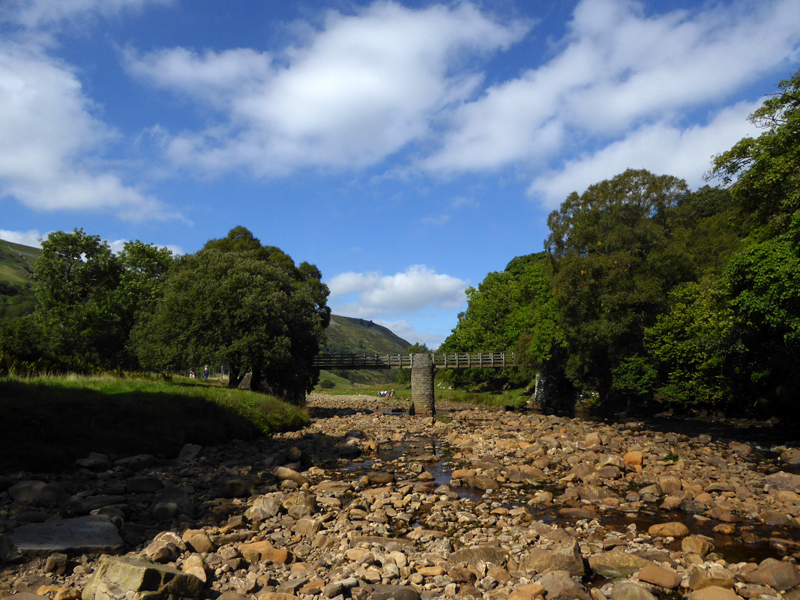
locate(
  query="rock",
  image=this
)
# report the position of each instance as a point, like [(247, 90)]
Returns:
[(559, 585), (189, 452), (672, 529), (480, 554), (37, 493), (696, 544), (617, 563), (94, 534), (660, 576), (633, 458), (783, 481), (198, 540), (56, 563), (135, 463), (143, 485), (195, 565), (126, 578), (166, 547), (171, 502), (791, 456), (94, 461), (630, 591), (563, 555), (703, 578), (398, 592), (527, 592), (284, 473), (781, 576), (713, 593)]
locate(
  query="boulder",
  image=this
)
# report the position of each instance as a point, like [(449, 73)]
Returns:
[(563, 555), (617, 563), (127, 578), (91, 534)]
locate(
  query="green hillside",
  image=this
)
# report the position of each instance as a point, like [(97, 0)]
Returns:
[(357, 336), (16, 288), (347, 335)]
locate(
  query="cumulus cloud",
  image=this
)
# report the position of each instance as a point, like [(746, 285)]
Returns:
[(356, 91), (618, 72), (659, 147), (49, 140), (31, 237), (367, 295)]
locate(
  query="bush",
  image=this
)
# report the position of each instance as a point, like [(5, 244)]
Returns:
[(327, 384)]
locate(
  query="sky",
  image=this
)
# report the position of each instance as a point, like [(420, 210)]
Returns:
[(405, 148)]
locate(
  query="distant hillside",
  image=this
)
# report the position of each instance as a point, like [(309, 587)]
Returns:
[(16, 288), (357, 336)]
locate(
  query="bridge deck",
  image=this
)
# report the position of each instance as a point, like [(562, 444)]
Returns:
[(440, 360)]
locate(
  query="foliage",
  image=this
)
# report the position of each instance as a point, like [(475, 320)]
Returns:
[(693, 344), (234, 305), (616, 256), (766, 169)]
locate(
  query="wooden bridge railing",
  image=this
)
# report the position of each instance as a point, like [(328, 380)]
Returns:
[(440, 360)]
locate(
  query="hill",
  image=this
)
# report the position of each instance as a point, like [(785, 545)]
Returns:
[(16, 287), (347, 335)]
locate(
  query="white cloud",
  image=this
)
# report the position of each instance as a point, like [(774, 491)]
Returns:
[(415, 289), (31, 237), (438, 220), (660, 148), (619, 70), (117, 246), (49, 141), (37, 14), (360, 89)]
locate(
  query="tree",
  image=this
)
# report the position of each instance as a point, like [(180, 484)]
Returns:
[(616, 255), (235, 306)]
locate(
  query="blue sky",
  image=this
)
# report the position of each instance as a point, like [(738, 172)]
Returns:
[(405, 148)]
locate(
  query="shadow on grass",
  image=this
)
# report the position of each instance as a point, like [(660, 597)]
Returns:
[(46, 428)]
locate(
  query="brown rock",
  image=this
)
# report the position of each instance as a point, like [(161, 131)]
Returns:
[(781, 576), (713, 593), (703, 578), (633, 458), (696, 544), (527, 592), (198, 540), (659, 576), (671, 529)]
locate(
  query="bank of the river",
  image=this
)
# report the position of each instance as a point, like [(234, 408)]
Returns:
[(370, 502)]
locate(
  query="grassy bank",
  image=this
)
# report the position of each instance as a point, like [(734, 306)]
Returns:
[(46, 423), (403, 394)]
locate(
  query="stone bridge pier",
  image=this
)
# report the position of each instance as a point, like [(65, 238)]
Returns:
[(422, 373)]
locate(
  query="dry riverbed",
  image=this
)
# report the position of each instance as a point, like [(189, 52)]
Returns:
[(369, 502)]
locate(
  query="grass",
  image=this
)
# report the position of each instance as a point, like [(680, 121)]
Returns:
[(46, 423), (510, 398)]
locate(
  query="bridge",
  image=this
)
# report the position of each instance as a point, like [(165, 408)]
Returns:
[(422, 366)]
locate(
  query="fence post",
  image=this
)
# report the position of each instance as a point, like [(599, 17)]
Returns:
[(422, 372)]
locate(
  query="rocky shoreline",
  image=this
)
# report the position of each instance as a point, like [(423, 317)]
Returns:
[(369, 502)]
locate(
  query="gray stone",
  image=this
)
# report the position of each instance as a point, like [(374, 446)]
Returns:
[(140, 461), (128, 578), (171, 502), (563, 555), (561, 586), (37, 492), (95, 461), (92, 534), (189, 452), (783, 481), (484, 554), (630, 591), (398, 592)]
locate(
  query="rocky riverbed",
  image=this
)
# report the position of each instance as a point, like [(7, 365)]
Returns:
[(369, 502)]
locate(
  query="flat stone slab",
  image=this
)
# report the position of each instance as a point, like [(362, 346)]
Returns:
[(90, 534)]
